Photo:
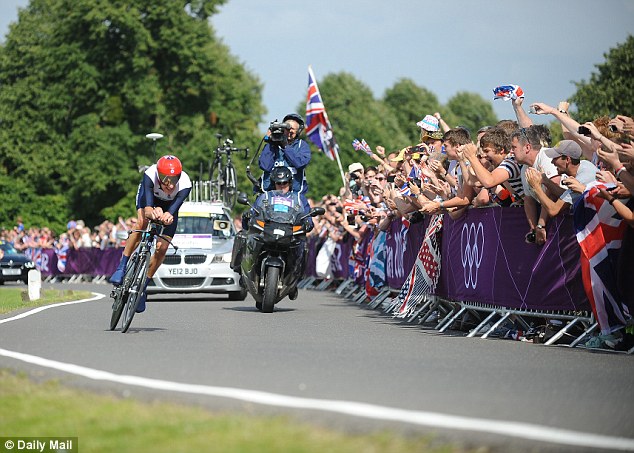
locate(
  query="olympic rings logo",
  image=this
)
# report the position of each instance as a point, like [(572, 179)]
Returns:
[(471, 250)]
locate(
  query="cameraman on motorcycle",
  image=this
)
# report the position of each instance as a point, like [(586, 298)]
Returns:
[(281, 178), (284, 148)]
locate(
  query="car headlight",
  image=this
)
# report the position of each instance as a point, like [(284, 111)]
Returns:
[(224, 258), (29, 265)]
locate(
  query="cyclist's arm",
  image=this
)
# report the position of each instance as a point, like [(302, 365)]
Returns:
[(179, 199), (298, 155), (267, 158), (148, 184)]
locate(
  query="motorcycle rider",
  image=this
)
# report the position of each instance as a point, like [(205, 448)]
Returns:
[(294, 154), (281, 177)]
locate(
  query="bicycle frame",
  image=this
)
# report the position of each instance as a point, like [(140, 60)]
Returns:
[(126, 296)]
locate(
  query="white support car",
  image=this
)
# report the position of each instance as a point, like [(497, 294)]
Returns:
[(204, 237)]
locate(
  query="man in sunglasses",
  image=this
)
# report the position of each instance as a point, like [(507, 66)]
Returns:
[(164, 188)]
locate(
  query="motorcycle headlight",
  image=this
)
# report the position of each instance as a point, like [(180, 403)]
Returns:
[(224, 258), (29, 265)]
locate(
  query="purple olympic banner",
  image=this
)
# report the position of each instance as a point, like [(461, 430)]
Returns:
[(402, 246), (86, 261), (485, 259), (339, 258)]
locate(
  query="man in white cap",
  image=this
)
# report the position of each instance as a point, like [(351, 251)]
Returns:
[(566, 158)]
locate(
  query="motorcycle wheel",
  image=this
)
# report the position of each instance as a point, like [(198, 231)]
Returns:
[(270, 289)]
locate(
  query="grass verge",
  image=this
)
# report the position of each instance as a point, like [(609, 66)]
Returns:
[(106, 423), (15, 298)]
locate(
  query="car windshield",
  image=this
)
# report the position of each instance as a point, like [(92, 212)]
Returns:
[(205, 225), (8, 248)]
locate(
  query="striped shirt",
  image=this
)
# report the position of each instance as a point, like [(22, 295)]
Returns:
[(515, 179)]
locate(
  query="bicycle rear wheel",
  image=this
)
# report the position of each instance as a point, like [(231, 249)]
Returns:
[(121, 293), (230, 189), (135, 290)]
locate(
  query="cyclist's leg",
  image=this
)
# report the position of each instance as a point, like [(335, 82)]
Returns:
[(130, 246), (158, 257), (155, 262)]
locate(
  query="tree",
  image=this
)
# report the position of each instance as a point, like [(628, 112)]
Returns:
[(82, 82), (409, 103), (609, 91), (471, 111)]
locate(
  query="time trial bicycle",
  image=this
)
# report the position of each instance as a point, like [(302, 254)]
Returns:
[(222, 174), (126, 296)]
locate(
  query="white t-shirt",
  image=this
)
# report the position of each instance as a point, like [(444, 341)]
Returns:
[(586, 173), (543, 164)]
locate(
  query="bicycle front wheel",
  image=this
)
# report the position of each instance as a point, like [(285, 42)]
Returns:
[(121, 293), (136, 288), (230, 189)]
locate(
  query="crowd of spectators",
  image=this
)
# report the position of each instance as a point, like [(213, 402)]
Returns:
[(77, 235), (509, 163)]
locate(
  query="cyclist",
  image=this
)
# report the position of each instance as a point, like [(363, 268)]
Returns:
[(164, 188), (281, 178), (295, 156)]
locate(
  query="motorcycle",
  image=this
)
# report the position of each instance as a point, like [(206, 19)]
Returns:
[(275, 251)]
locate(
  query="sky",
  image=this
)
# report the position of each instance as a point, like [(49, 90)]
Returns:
[(446, 47)]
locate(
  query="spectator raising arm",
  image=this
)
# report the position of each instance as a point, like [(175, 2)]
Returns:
[(523, 120), (445, 127)]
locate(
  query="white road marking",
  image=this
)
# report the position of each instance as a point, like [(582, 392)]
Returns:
[(364, 410), (46, 307)]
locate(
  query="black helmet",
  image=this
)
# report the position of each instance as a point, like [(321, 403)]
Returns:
[(281, 174)]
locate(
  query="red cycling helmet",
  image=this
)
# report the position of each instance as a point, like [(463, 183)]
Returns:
[(170, 167)]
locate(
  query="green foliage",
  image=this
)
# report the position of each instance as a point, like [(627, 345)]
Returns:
[(609, 91), (471, 111), (83, 81), (410, 103), (556, 133), (18, 199)]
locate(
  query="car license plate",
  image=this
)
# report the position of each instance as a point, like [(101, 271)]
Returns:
[(11, 271), (182, 271)]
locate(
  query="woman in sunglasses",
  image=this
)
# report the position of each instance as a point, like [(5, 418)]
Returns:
[(164, 188)]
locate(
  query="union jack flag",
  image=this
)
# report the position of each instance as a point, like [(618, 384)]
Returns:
[(362, 146), (62, 257), (425, 274), (600, 231), (375, 278), (508, 92), (415, 172), (405, 190), (318, 128)]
